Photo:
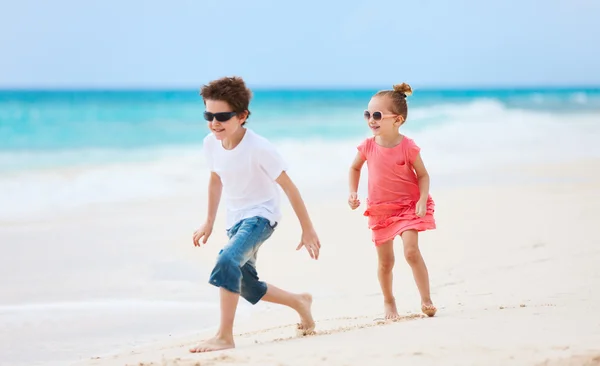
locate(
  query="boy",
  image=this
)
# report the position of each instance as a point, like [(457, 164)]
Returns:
[(246, 168)]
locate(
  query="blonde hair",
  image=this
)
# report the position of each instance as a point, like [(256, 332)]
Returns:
[(398, 97)]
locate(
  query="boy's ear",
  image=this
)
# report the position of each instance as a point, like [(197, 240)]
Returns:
[(243, 116)]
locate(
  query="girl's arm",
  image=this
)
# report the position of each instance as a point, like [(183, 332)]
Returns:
[(355, 169), (422, 176)]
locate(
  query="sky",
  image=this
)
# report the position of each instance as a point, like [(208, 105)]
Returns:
[(275, 43)]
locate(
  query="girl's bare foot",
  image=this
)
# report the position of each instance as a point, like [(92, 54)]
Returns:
[(307, 324), (214, 344), (390, 310), (428, 308)]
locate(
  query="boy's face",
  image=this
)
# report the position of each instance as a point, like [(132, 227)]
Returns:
[(225, 129)]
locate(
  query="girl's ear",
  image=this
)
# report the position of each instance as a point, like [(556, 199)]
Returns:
[(400, 119)]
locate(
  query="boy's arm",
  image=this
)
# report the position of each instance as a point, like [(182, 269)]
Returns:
[(215, 188), (309, 236), (296, 200)]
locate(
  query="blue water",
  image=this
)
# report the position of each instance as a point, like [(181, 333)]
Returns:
[(62, 148), (61, 120)]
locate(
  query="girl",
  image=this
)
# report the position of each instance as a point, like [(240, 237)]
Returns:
[(399, 202)]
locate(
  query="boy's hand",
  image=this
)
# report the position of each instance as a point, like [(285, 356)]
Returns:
[(311, 242), (203, 233), (353, 201), (421, 208)]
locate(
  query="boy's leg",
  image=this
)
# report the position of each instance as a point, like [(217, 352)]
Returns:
[(254, 290), (385, 255), (224, 337), (413, 256), (300, 302), (227, 275)]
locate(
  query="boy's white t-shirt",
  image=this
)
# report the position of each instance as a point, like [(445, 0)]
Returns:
[(248, 174)]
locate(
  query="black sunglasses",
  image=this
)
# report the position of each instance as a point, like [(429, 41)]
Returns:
[(221, 116), (377, 116)]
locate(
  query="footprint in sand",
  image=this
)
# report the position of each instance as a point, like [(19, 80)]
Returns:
[(326, 327), (577, 360), (502, 307)]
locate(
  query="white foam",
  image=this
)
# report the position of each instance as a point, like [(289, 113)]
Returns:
[(509, 137), (479, 135), (62, 332), (107, 305)]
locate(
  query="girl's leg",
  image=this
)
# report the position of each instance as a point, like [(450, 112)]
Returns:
[(385, 254), (413, 256)]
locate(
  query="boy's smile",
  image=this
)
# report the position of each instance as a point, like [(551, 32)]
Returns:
[(223, 129), (217, 128)]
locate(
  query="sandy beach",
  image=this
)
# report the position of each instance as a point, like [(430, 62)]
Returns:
[(513, 269), (105, 110), (104, 165)]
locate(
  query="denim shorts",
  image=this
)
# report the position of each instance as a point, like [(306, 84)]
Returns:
[(235, 269)]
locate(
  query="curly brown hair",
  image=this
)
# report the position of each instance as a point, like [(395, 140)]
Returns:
[(231, 90), (398, 96)]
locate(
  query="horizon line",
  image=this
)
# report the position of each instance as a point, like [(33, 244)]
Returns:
[(265, 87)]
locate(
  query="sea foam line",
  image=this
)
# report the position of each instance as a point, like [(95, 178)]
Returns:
[(108, 304)]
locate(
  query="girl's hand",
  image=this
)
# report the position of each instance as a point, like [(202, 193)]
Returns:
[(353, 201), (421, 208)]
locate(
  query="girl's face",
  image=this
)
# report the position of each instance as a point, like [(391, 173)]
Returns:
[(222, 122), (380, 118)]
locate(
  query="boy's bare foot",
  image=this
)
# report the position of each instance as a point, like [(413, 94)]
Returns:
[(428, 308), (214, 344), (307, 324), (391, 312)]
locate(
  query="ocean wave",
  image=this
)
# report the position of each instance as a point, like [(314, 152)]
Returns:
[(479, 135), (108, 305)]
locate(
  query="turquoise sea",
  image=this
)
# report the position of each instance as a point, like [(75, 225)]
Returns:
[(66, 148)]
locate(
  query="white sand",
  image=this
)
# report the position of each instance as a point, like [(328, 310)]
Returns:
[(515, 273)]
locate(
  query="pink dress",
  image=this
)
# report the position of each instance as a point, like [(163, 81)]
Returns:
[(393, 190)]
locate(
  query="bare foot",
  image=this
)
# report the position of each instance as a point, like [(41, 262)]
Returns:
[(307, 324), (213, 344), (390, 310), (428, 308)]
